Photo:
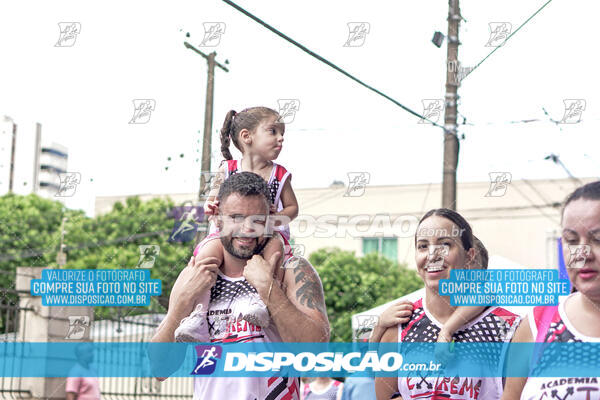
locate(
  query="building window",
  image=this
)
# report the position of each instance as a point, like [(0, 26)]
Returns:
[(388, 247)]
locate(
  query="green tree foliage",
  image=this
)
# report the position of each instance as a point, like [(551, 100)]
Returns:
[(30, 236), (354, 285), (28, 227), (112, 240)]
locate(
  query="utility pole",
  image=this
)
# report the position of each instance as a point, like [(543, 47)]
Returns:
[(451, 145), (11, 177), (208, 116), (208, 113)]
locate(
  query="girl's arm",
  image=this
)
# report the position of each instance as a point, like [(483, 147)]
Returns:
[(215, 185), (288, 200), (216, 182), (395, 314), (514, 385), (459, 317), (385, 387)]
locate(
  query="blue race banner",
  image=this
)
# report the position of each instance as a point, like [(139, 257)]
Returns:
[(142, 359)]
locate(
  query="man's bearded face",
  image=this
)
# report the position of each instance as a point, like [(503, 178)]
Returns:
[(241, 222)]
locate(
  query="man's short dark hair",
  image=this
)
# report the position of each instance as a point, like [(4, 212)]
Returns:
[(244, 184)]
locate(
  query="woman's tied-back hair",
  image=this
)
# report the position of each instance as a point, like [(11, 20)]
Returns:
[(482, 257), (248, 118), (589, 191), (465, 232)]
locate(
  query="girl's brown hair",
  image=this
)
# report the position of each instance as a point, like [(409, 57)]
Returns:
[(248, 118)]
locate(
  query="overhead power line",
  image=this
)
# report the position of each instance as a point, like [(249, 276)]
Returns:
[(509, 36), (327, 62)]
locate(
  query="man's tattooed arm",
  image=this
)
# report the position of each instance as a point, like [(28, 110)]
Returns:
[(298, 305), (309, 290)]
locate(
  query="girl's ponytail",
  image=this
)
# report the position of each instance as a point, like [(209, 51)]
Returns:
[(248, 118), (226, 132)]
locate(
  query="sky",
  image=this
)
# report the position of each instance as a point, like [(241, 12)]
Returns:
[(83, 94)]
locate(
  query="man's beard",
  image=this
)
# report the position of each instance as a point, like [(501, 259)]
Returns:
[(244, 253)]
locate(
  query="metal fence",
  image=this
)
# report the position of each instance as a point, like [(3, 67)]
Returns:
[(11, 319), (138, 328)]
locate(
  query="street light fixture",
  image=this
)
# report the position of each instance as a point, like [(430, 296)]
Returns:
[(438, 39), (556, 160)]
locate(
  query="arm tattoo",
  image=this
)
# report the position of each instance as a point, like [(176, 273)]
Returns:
[(309, 291)]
